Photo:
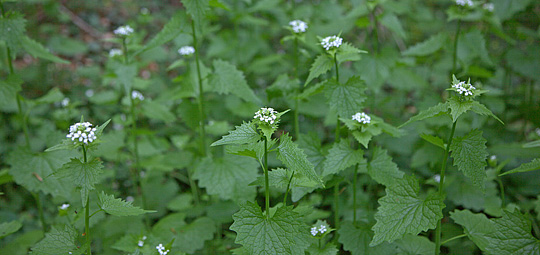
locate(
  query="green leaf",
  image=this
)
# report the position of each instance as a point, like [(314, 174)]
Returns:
[(356, 240), (295, 159), (429, 46), (328, 249), (403, 211), (322, 64), (462, 192), (245, 133), (126, 75), (477, 226), (458, 107), (525, 167), (430, 112), (382, 169), (282, 233), (57, 242), (12, 29), (229, 80), (171, 30), (119, 207), (83, 175), (346, 99), (347, 52), (532, 144), (157, 111), (340, 157), (228, 177), (469, 154), (54, 95), (8, 228), (512, 235), (197, 9), (9, 89), (417, 245), (391, 21), (191, 237), (435, 140), (37, 50)]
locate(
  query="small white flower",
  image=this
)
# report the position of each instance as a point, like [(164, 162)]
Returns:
[(161, 250), (123, 30), (468, 3), (89, 93), (64, 206), (137, 95), (322, 229), (437, 178), (186, 50), (331, 42), (314, 231), (268, 115), (82, 133), (488, 7), (65, 102), (115, 52), (140, 243), (144, 11), (298, 26), (463, 88), (493, 157), (362, 118), (144, 238), (129, 199), (537, 131)]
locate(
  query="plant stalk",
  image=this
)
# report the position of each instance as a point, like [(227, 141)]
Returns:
[(454, 57), (296, 100), (441, 187), (454, 238), (266, 179), (87, 212), (336, 205), (337, 79), (39, 205), (287, 191), (202, 132), (354, 192)]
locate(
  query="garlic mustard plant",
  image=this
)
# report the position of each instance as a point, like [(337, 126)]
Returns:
[(124, 31), (82, 133), (362, 118), (186, 50), (115, 52), (331, 42), (161, 249), (137, 95), (298, 26), (467, 3)]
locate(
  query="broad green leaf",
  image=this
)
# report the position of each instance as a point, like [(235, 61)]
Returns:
[(393, 23), (7, 228), (229, 80), (461, 191), (192, 236), (37, 50), (119, 207), (382, 169), (82, 175), (525, 167), (328, 249), (532, 144), (12, 29), (157, 111), (340, 157), (197, 9), (429, 46), (355, 239), (469, 154), (415, 245), (476, 226), (322, 64), (512, 235), (458, 107), (57, 242), (280, 178), (283, 233), (245, 133), (9, 89), (471, 46), (126, 74), (171, 30), (228, 177), (403, 211), (254, 150), (346, 99), (54, 95), (430, 112), (295, 159), (347, 52), (435, 140)]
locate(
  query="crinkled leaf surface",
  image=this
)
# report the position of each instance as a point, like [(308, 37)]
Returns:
[(228, 177), (229, 80), (57, 242), (37, 50), (295, 159), (9, 89), (403, 211), (417, 245), (462, 191), (428, 113), (283, 233), (347, 52), (119, 207), (355, 239), (458, 107), (245, 133), (512, 235), (7, 228), (191, 237), (328, 249), (322, 64), (341, 156), (346, 99), (12, 29), (483, 110), (197, 9), (83, 175), (477, 226), (382, 169), (525, 167), (469, 154)]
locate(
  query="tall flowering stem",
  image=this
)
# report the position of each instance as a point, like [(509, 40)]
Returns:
[(354, 192), (298, 91), (202, 132), (337, 79), (87, 211), (266, 180)]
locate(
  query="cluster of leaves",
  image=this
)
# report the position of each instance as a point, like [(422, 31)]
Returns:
[(373, 183)]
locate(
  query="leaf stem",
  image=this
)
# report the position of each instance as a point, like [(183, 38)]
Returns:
[(87, 224), (336, 205), (454, 238), (375, 29), (337, 79), (266, 180), (39, 205), (441, 187), (124, 45), (287, 191), (100, 210), (194, 190), (202, 132), (501, 187), (454, 58), (296, 100), (354, 192)]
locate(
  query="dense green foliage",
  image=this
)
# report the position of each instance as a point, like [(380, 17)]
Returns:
[(418, 133)]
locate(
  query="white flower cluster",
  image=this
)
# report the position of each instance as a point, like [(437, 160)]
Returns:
[(83, 132), (331, 42), (141, 241), (65, 102), (186, 50), (123, 30), (268, 115), (322, 229), (64, 206), (115, 52), (464, 88), (488, 7), (298, 26), (137, 95), (468, 3), (162, 250), (362, 118)]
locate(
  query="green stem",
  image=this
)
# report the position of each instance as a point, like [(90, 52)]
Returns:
[(40, 211), (501, 187), (336, 205), (536, 229), (296, 100), (354, 192), (375, 29), (24, 120), (287, 191), (441, 187), (124, 45), (454, 58), (100, 210), (202, 132), (337, 79), (454, 238), (266, 180), (194, 190), (87, 211), (10, 63)]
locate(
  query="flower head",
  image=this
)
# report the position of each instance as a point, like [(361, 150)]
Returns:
[(64, 207), (115, 52), (467, 3), (331, 42), (186, 50), (314, 231), (137, 95), (161, 250), (464, 88), (123, 30), (65, 102), (267, 115), (488, 7), (362, 118), (320, 228), (82, 133), (298, 26)]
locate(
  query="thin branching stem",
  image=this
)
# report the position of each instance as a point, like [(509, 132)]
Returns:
[(336, 205), (87, 212), (354, 192), (39, 205), (337, 80), (454, 238), (287, 191), (266, 179)]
